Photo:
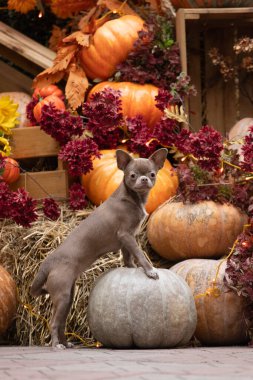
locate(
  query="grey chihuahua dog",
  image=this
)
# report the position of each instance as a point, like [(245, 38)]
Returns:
[(110, 227)]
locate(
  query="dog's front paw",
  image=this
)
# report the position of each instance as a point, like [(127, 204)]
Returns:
[(69, 345), (59, 346), (152, 273)]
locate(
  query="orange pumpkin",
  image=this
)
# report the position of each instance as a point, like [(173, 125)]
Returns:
[(8, 299), (105, 178), (11, 171), (51, 89), (207, 229), (110, 45), (55, 100), (220, 319), (136, 99)]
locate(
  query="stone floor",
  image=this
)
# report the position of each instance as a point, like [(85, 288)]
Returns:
[(226, 363)]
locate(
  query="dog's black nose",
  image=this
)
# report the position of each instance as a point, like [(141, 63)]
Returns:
[(144, 179)]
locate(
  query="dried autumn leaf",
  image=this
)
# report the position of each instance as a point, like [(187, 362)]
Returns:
[(177, 113), (76, 86), (117, 6), (84, 23), (56, 37), (44, 79), (63, 58), (68, 8), (79, 37)]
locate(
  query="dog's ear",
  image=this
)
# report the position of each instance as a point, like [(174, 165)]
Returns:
[(123, 159), (159, 157)]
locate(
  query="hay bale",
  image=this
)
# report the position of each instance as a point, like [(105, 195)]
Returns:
[(21, 252)]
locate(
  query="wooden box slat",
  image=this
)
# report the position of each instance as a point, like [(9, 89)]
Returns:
[(43, 184), (25, 46), (31, 142)]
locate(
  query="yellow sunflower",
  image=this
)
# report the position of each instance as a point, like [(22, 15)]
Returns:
[(8, 115), (5, 148), (22, 6)]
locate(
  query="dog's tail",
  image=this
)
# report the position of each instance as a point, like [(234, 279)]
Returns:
[(40, 279)]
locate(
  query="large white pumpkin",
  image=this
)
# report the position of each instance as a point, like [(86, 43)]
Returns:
[(128, 309)]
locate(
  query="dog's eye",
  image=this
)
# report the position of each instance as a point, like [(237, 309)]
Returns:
[(133, 176), (152, 175)]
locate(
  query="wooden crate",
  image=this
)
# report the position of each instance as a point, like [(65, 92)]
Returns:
[(21, 60), (198, 30), (32, 142)]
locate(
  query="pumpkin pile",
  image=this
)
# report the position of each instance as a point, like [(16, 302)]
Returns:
[(197, 233)]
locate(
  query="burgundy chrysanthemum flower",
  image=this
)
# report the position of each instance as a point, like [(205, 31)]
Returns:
[(165, 131), (77, 200), (182, 141), (61, 125), (23, 208), (206, 145), (163, 99), (247, 151), (51, 209), (5, 201), (104, 117), (140, 137), (78, 155), (29, 111), (239, 271)]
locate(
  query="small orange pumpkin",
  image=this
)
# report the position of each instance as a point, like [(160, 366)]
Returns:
[(11, 171), (105, 178), (55, 100), (137, 99), (110, 45), (51, 89)]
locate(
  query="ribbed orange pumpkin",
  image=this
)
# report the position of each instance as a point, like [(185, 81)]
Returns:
[(105, 178), (11, 171), (55, 100), (220, 319), (136, 99), (51, 89), (8, 299), (210, 3), (207, 229), (111, 44)]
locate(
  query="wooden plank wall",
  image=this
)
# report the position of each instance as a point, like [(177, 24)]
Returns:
[(216, 102)]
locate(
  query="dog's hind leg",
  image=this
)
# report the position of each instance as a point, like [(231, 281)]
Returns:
[(60, 286), (61, 306)]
